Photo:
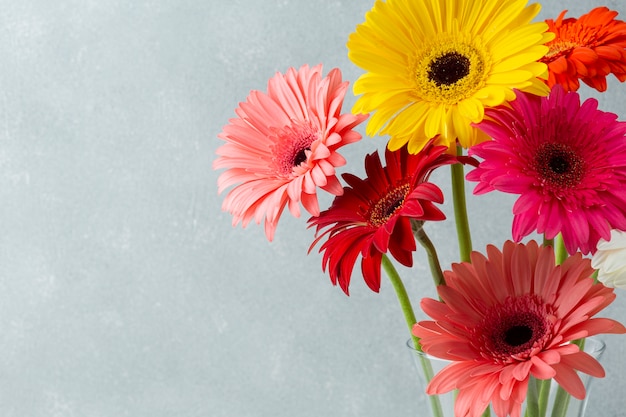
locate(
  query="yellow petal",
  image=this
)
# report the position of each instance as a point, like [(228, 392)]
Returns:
[(396, 142), (516, 61), (472, 109), (416, 143), (516, 43), (537, 87), (462, 128), (409, 120), (434, 121), (491, 95), (510, 78)]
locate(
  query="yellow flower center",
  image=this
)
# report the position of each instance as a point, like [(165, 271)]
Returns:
[(450, 69), (558, 47)]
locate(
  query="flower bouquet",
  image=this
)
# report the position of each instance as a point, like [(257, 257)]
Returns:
[(483, 88)]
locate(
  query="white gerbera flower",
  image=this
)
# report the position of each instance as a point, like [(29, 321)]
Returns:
[(610, 260)]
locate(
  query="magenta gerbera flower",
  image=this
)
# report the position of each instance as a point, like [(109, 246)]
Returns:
[(510, 315), (283, 146), (567, 162), (373, 216)]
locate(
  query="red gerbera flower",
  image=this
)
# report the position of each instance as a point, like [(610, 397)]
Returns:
[(373, 216), (284, 145), (567, 162), (588, 48), (511, 315)]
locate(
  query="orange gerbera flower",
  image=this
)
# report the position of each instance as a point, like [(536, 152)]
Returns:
[(588, 48)]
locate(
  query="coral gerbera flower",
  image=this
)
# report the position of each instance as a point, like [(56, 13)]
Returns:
[(284, 145), (510, 315), (567, 162), (589, 48), (434, 65), (373, 216)]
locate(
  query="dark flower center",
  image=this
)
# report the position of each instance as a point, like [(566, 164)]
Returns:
[(517, 332), (448, 68), (518, 335), (513, 330), (300, 157), (559, 165), (388, 205)]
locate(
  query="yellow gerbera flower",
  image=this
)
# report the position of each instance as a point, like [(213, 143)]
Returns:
[(434, 65)]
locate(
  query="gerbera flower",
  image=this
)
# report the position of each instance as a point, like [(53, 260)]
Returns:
[(567, 162), (510, 315), (588, 48), (434, 65), (610, 260), (373, 216), (283, 146)]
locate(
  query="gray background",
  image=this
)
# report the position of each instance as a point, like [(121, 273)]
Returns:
[(124, 290)]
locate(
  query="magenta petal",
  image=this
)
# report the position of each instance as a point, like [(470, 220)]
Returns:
[(533, 131)]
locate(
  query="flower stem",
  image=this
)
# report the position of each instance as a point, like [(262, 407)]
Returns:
[(559, 249), (429, 375), (544, 394), (427, 244), (537, 397), (409, 316), (548, 242), (561, 400), (460, 209), (532, 399), (403, 297)]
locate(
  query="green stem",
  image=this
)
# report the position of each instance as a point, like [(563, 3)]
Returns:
[(580, 343), (544, 395), (403, 297), (409, 316), (431, 251), (548, 242), (460, 209), (532, 399), (561, 402), (429, 374), (559, 249)]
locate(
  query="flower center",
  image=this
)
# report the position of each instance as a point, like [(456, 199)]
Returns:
[(518, 335), (290, 148), (450, 69), (514, 330), (558, 47), (388, 205), (300, 157), (559, 165)]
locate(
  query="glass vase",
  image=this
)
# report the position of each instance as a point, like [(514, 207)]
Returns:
[(443, 405)]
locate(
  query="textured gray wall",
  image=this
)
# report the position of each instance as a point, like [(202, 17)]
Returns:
[(124, 290)]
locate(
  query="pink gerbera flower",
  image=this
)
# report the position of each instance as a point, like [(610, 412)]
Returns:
[(511, 315), (373, 216), (567, 162), (283, 146)]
